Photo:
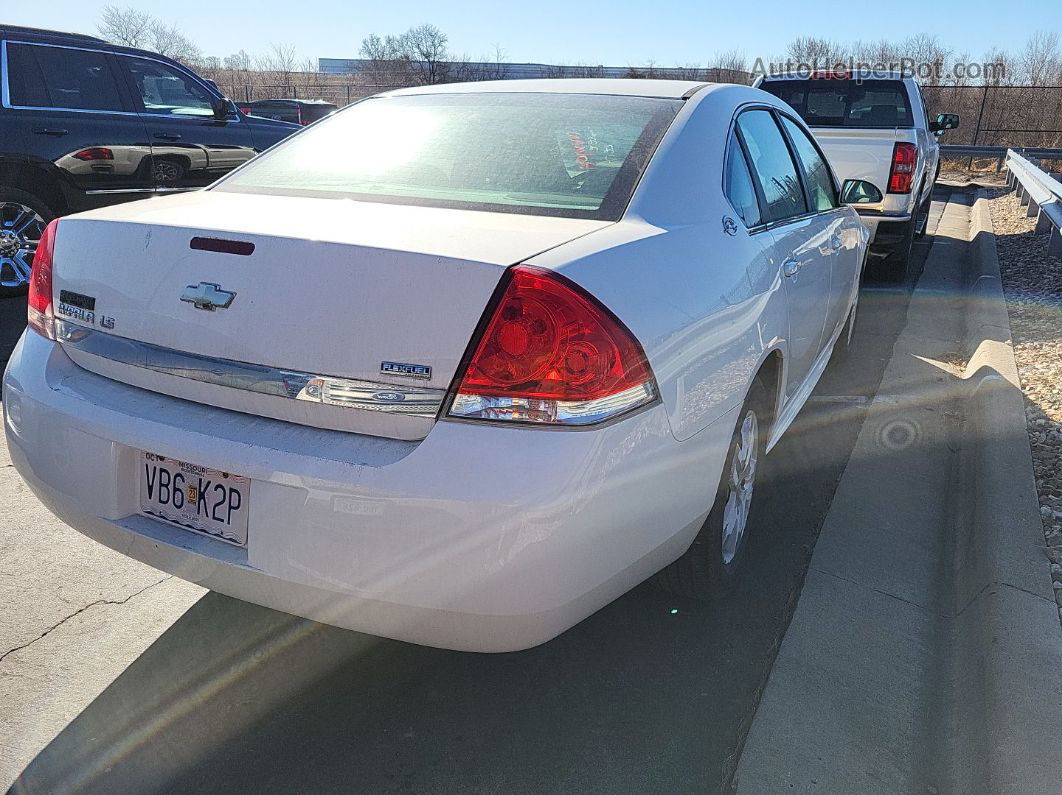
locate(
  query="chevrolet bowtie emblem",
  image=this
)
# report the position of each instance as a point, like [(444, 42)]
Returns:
[(208, 296)]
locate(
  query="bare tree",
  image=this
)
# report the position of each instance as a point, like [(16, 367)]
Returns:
[(425, 46), (815, 52), (279, 62), (388, 62), (238, 62), (1041, 61), (126, 26), (169, 41), (133, 28), (731, 66)]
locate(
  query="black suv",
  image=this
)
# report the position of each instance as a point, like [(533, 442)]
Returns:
[(84, 123)]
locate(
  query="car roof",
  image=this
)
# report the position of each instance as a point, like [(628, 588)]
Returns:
[(665, 89), (78, 39), (7, 31)]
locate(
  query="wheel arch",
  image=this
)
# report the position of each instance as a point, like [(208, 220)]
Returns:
[(35, 181), (771, 372)]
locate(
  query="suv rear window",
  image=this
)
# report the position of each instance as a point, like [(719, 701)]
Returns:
[(829, 102), (575, 155)]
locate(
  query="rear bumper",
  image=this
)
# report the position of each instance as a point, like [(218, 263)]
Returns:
[(478, 537)]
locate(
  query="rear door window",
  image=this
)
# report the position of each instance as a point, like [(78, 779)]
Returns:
[(737, 184), (816, 172), (772, 165), (61, 77), (872, 104)]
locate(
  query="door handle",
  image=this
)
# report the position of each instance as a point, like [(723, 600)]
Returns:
[(52, 131), (790, 267), (168, 136)]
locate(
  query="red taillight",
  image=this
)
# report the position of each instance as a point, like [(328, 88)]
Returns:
[(245, 110), (95, 153), (901, 175), (39, 315), (550, 353)]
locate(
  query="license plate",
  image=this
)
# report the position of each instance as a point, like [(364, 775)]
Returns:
[(195, 497)]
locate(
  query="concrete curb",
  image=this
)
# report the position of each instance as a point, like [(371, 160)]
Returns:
[(925, 651), (1007, 654)]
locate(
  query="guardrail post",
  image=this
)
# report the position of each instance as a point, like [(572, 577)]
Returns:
[(1043, 223), (1054, 245), (1023, 197), (1033, 209)]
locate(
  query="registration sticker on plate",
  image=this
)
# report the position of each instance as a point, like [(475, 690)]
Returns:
[(195, 497)]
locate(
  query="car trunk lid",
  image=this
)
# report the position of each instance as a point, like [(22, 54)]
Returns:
[(276, 288)]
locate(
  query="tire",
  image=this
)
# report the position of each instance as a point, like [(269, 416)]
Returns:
[(716, 560), (16, 257), (843, 345), (922, 216), (894, 268)]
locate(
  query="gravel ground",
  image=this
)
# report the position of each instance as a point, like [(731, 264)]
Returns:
[(1032, 282)]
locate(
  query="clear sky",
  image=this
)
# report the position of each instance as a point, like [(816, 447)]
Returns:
[(612, 32)]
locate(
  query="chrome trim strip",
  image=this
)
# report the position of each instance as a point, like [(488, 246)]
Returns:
[(352, 393), (118, 190)]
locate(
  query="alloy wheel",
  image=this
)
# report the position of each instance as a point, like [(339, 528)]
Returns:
[(740, 483), (20, 232)]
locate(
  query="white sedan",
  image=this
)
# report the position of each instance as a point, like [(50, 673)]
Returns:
[(458, 365)]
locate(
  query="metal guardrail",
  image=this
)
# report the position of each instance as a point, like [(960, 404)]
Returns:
[(997, 153), (1041, 193)]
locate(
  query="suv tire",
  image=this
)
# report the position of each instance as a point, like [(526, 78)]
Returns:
[(14, 258)]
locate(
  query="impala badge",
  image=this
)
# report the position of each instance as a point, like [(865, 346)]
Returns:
[(208, 296)]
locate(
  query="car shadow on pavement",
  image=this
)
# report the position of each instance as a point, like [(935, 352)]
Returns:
[(652, 692)]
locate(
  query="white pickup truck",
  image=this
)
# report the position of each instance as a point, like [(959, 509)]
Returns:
[(874, 127)]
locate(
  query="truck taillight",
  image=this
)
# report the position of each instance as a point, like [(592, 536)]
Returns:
[(550, 354), (39, 314), (901, 175)]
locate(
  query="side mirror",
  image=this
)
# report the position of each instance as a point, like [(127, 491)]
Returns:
[(944, 121), (223, 108), (859, 191)]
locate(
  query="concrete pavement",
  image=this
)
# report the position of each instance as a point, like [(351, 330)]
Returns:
[(924, 653), (75, 615)]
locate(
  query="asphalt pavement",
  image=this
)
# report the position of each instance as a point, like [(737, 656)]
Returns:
[(652, 693)]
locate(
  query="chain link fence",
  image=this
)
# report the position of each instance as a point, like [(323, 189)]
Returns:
[(991, 115)]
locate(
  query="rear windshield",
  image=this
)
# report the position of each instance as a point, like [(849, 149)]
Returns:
[(575, 155), (830, 102)]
